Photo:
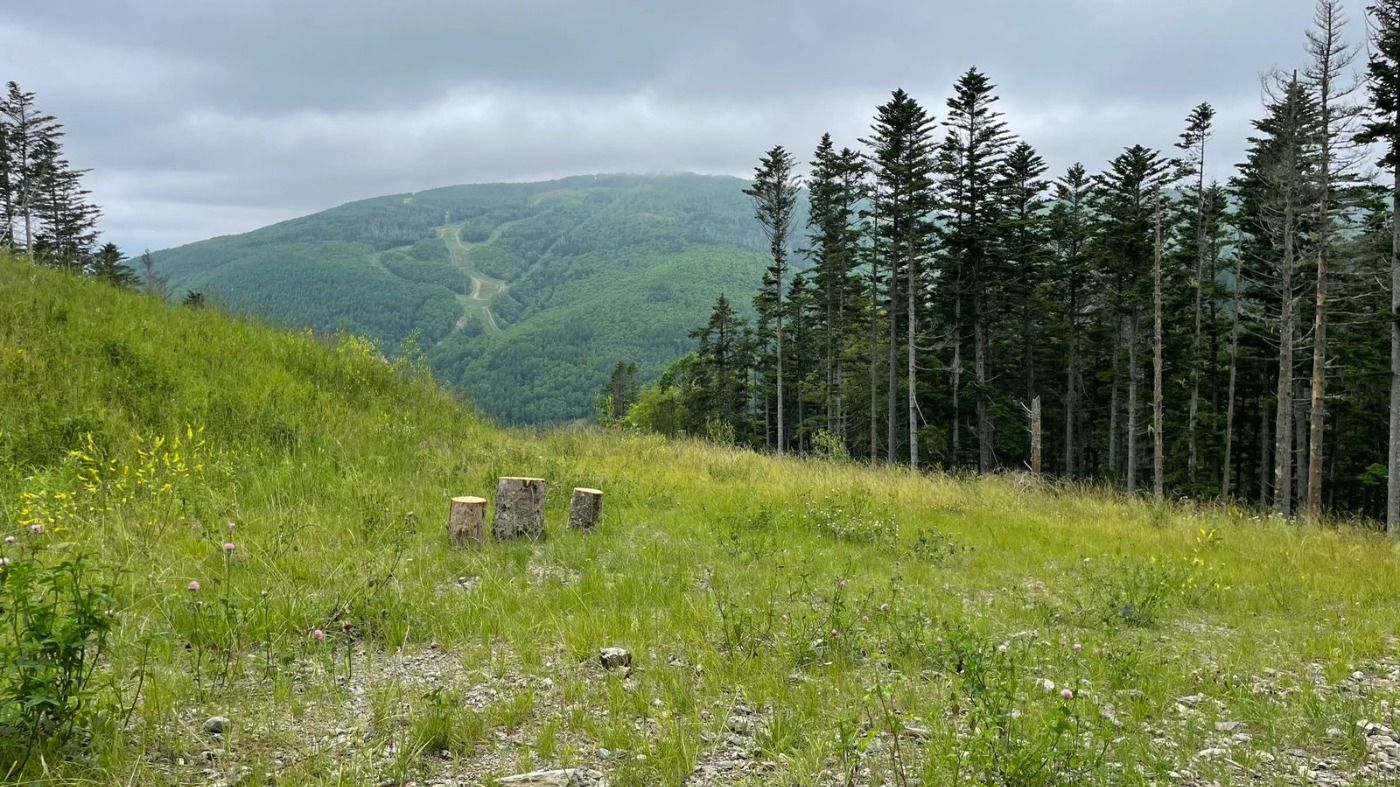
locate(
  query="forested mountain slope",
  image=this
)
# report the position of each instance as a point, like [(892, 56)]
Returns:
[(522, 295)]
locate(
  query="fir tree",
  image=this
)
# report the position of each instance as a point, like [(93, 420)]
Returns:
[(969, 162), (774, 194), (1383, 126), (902, 161), (108, 265)]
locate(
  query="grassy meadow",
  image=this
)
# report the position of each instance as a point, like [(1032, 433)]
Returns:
[(790, 622)]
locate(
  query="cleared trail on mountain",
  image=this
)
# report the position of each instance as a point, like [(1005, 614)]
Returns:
[(484, 287)]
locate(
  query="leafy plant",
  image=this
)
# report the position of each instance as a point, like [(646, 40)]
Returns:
[(58, 620)]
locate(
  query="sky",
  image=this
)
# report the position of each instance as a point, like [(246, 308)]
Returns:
[(201, 118)]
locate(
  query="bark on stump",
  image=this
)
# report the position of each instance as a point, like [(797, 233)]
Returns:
[(586, 509), (519, 508), (466, 524)]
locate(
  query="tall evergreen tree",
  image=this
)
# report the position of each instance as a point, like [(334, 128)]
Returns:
[(1070, 223), (1124, 245), (969, 163), (835, 189), (1327, 77), (1193, 144), (774, 194), (1281, 162), (902, 157), (1383, 126), (27, 132)]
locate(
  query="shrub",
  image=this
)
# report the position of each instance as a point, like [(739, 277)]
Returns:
[(59, 620)]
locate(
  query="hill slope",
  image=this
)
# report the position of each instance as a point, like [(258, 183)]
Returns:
[(522, 295), (790, 622)]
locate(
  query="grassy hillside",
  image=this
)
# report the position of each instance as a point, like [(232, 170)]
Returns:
[(522, 295), (790, 622)]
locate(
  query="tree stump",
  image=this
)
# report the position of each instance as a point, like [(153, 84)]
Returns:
[(466, 524), (519, 508), (586, 509)]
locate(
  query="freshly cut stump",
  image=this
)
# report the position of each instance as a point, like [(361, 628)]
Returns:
[(586, 509), (519, 508), (466, 524)]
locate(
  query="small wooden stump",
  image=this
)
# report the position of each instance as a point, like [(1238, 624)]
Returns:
[(519, 508), (466, 524), (586, 509)]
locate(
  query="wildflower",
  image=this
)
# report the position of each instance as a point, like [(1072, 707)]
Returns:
[(36, 529), (1066, 694), (4, 561), (1048, 685), (9, 539), (228, 546), (318, 635), (1078, 647), (111, 613), (1002, 648), (193, 587), (835, 633), (884, 607), (231, 525)]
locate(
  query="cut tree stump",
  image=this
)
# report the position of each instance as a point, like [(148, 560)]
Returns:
[(519, 508), (466, 524), (586, 509)]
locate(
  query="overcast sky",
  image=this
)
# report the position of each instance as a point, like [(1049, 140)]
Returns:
[(203, 118)]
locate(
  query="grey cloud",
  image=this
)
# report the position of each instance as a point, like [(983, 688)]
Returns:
[(200, 118)]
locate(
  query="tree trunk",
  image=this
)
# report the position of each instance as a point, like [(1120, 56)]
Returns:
[(1265, 439), (891, 371), (986, 458), (1312, 507), (782, 437), (911, 322), (1157, 433), (1225, 472), (519, 508), (1283, 420), (1114, 400), (1392, 490), (955, 434), (585, 509), (1035, 435), (466, 522), (1071, 368), (1194, 408), (874, 359), (1132, 402)]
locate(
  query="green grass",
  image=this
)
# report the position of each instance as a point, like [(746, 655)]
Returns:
[(838, 603)]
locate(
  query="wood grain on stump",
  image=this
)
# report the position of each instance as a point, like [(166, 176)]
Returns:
[(519, 508), (466, 524), (586, 509)]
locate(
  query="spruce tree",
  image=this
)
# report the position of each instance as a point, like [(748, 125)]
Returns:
[(1383, 126), (902, 161), (1124, 245), (774, 194), (969, 162), (835, 189), (1069, 228), (108, 265), (1193, 144)]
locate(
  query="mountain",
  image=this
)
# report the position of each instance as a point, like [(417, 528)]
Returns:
[(521, 295)]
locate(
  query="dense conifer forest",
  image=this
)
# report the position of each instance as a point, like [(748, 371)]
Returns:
[(1138, 322)]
